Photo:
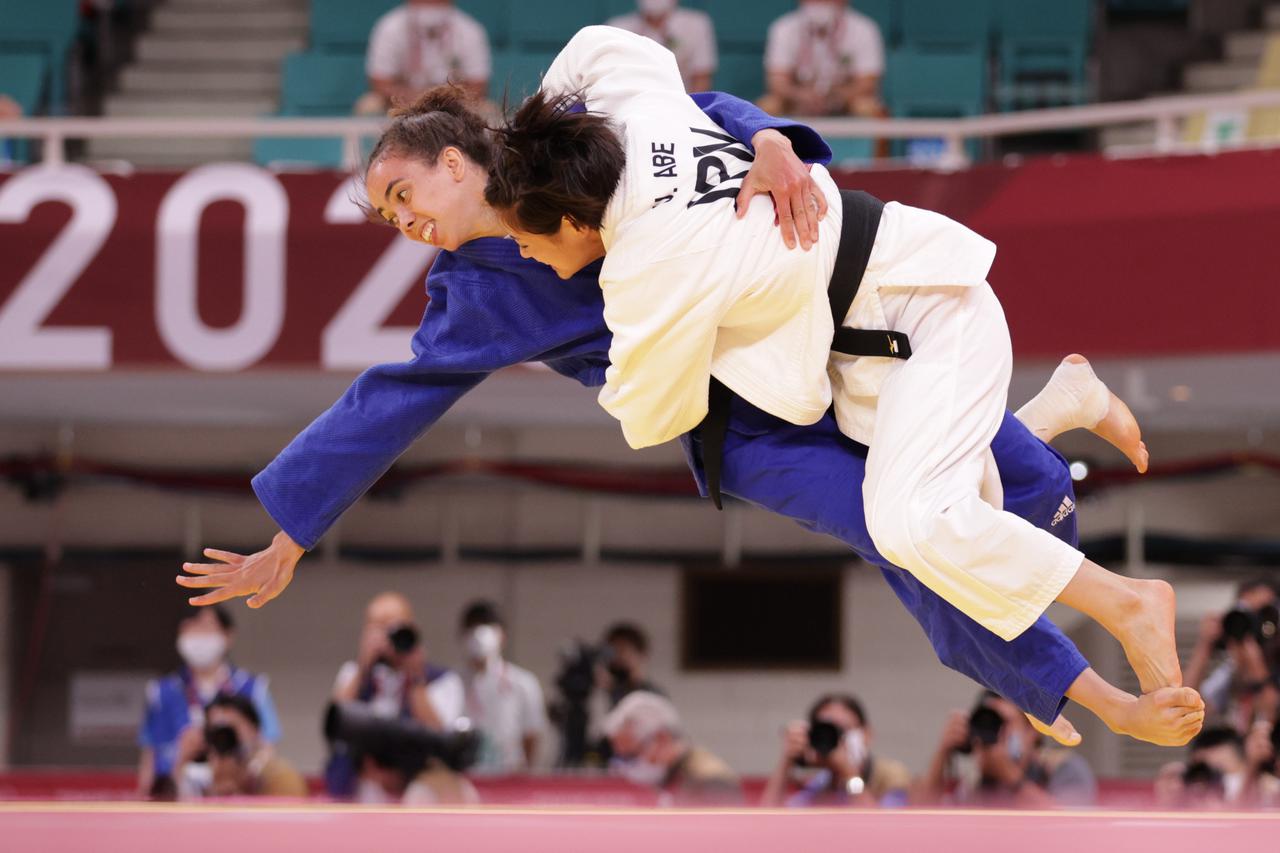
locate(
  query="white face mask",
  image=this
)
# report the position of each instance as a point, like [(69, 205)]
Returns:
[(638, 771), (484, 642), (855, 747), (202, 650), (1014, 747), (820, 14), (657, 8)]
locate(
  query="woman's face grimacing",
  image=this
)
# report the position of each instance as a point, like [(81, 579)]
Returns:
[(567, 251), (439, 204)]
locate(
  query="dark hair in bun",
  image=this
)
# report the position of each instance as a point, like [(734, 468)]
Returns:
[(552, 160)]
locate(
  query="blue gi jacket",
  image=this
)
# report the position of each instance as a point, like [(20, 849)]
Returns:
[(489, 309)]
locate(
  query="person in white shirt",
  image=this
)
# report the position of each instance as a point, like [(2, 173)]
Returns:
[(643, 180), (421, 44), (688, 33), (392, 676), (504, 701), (824, 59)]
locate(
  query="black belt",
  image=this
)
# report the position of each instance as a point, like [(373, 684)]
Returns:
[(857, 235)]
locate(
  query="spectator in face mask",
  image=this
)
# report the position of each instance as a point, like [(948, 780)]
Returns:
[(627, 667), (824, 59), (687, 33), (504, 701), (420, 44), (835, 743), (650, 749), (177, 701)]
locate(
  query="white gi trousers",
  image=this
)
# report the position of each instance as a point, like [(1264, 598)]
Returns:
[(930, 465)]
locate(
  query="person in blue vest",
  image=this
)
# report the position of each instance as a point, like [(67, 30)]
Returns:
[(490, 308), (177, 701)]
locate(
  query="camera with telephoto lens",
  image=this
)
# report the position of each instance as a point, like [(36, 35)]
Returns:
[(403, 639), (824, 737), (398, 744), (222, 740), (985, 725), (1239, 623)]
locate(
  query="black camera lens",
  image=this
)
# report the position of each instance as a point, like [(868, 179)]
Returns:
[(824, 737), (1238, 624), (403, 639), (222, 740), (985, 725)]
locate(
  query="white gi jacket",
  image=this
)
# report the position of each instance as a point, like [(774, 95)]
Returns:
[(690, 292)]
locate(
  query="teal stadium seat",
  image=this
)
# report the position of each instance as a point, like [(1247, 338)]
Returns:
[(936, 84), (343, 26), (744, 26), (1043, 48), (740, 74), (946, 24), (885, 13), (494, 16), (517, 74), (549, 24), (46, 27), (314, 84), (22, 77)]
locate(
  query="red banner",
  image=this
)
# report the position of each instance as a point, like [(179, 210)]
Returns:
[(230, 267)]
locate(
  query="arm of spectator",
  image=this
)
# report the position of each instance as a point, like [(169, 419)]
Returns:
[(932, 786), (795, 737), (414, 668), (1197, 667), (534, 715), (268, 719), (146, 771), (862, 97)]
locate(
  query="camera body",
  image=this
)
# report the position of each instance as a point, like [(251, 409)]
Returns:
[(223, 741), (1239, 623), (403, 639), (985, 725)]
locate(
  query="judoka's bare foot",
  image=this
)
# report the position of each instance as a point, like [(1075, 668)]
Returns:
[(1137, 612), (1171, 716), (1147, 634), (1062, 731), (1075, 398), (1118, 426)]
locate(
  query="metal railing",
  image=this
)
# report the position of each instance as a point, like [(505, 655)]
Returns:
[(1164, 113)]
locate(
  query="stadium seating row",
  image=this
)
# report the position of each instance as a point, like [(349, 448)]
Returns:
[(35, 40)]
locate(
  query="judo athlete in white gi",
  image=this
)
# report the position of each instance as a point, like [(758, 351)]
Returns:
[(691, 295)]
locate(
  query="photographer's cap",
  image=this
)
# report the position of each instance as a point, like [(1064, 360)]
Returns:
[(645, 713)]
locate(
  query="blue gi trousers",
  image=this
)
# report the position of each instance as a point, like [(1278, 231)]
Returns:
[(813, 474)]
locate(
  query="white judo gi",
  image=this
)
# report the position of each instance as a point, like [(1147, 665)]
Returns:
[(691, 293)]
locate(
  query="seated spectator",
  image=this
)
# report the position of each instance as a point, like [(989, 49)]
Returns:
[(1010, 766), (627, 662), (176, 702), (1262, 759), (835, 743), (392, 675), (228, 757), (1242, 683), (504, 701), (420, 44), (688, 33), (1224, 769), (824, 59), (650, 749), (9, 108)]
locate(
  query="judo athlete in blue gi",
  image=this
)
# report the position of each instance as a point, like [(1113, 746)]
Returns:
[(489, 309)]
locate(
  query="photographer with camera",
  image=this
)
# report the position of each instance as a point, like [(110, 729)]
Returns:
[(1243, 685), (834, 743), (392, 677), (175, 704), (227, 757), (625, 662), (650, 749), (504, 701), (1008, 765)]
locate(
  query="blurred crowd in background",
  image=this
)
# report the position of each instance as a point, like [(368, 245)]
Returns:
[(403, 727)]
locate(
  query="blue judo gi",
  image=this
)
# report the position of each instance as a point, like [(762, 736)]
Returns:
[(489, 309)]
